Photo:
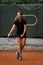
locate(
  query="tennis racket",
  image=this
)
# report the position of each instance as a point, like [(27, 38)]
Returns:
[(9, 39)]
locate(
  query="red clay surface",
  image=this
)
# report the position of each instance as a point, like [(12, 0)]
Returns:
[(29, 58)]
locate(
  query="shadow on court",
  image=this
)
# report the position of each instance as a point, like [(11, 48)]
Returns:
[(29, 58)]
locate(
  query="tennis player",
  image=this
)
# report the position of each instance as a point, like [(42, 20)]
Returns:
[(20, 23)]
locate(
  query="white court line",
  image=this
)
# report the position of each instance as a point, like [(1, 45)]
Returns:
[(34, 17)]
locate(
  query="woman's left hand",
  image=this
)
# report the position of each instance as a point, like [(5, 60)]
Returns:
[(21, 35)]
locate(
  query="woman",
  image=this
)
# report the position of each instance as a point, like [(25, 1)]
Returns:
[(20, 23)]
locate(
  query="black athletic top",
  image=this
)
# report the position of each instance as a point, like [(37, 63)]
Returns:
[(20, 26)]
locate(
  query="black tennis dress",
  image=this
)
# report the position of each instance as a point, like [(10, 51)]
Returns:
[(20, 27)]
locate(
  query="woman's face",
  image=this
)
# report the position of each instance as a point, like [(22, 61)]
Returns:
[(19, 16)]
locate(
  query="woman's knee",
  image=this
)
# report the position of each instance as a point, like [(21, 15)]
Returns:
[(18, 40), (24, 41)]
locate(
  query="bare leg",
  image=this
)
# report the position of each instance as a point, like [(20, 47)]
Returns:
[(20, 45), (23, 41)]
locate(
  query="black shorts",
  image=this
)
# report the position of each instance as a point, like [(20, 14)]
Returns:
[(17, 35)]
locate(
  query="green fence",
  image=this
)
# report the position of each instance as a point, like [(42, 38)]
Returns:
[(33, 13)]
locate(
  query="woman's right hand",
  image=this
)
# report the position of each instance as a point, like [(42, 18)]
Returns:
[(9, 34)]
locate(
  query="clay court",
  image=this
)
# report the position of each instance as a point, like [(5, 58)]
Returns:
[(29, 58)]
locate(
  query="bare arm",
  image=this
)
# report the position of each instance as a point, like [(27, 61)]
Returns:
[(13, 27), (24, 30)]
